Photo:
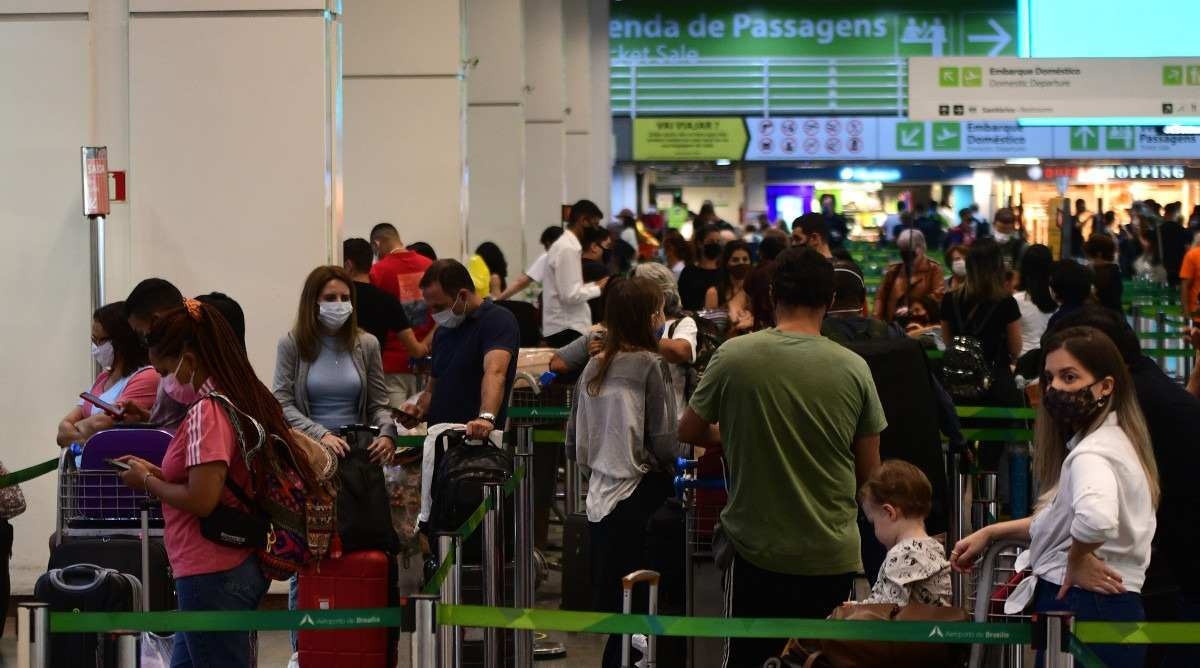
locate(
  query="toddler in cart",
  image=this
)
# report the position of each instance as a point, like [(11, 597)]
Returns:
[(896, 499)]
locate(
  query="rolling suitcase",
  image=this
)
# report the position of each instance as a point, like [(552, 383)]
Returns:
[(627, 584), (355, 580), (123, 555), (86, 588)]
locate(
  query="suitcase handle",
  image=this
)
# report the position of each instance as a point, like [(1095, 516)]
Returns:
[(97, 573), (635, 577)]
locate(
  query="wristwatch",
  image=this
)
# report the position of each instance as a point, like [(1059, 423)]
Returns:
[(487, 416)]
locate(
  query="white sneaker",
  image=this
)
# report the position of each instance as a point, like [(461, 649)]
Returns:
[(295, 660)]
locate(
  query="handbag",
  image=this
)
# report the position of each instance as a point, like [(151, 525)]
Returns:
[(233, 527), (12, 499), (865, 653)]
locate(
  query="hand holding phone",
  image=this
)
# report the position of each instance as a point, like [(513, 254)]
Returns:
[(114, 411), (120, 466)]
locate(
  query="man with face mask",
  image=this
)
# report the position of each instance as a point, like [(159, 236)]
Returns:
[(474, 353), (839, 229), (565, 313), (812, 231), (1006, 234), (910, 279)]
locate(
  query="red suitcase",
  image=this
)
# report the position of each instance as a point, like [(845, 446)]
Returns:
[(356, 580)]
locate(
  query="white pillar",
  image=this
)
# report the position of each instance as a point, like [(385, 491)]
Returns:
[(405, 144), (603, 148), (109, 27), (496, 128), (577, 55), (754, 182), (45, 117), (545, 184), (234, 173)]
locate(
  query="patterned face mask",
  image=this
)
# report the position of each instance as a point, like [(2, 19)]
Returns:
[(1074, 407)]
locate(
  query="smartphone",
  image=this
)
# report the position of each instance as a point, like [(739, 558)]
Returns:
[(121, 466), (101, 404)]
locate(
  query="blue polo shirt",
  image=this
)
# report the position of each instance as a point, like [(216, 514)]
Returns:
[(458, 363)]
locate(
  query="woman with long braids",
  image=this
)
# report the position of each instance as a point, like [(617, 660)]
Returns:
[(197, 354)]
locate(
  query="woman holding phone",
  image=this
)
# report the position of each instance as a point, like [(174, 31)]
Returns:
[(125, 376)]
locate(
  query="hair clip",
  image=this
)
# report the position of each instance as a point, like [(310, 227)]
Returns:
[(193, 308)]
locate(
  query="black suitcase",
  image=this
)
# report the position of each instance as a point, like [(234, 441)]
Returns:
[(576, 564), (123, 555), (86, 588)]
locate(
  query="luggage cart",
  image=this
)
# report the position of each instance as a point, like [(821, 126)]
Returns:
[(990, 585), (699, 520), (95, 503)]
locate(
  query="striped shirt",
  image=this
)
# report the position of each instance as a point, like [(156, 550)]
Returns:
[(205, 436)]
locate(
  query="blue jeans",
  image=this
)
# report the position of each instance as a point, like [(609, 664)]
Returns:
[(1091, 607), (239, 588)]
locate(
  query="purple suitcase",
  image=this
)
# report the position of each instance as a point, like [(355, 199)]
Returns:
[(99, 493)]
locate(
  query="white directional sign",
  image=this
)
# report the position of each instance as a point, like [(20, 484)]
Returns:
[(1009, 89)]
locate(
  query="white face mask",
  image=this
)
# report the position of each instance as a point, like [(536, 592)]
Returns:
[(448, 318), (1001, 237), (959, 267), (334, 314), (103, 354)]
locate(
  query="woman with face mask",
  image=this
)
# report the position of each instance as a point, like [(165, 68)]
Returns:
[(696, 279), (198, 354), (125, 375), (329, 373), (730, 292), (956, 260), (1090, 534)]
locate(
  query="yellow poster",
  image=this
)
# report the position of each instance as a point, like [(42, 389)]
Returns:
[(689, 138)]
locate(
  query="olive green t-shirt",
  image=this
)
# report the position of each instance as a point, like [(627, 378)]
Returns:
[(789, 407)]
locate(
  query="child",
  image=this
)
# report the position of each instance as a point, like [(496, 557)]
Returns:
[(896, 499)]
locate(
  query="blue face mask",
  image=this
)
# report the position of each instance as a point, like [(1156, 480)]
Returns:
[(448, 318)]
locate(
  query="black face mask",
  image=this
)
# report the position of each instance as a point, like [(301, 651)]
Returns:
[(739, 271), (712, 251), (1072, 409)]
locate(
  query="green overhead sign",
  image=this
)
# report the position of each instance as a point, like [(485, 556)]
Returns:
[(673, 32)]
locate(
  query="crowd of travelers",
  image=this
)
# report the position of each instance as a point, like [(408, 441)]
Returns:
[(735, 343)]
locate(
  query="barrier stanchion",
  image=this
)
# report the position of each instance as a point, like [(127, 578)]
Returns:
[(425, 632), (492, 564), (571, 503), (450, 640), (524, 576), (33, 635), (1054, 633), (958, 485), (127, 650)]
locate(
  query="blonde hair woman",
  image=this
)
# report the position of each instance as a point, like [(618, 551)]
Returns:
[(1095, 519)]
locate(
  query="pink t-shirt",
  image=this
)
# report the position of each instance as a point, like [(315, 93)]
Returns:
[(206, 435), (141, 390)]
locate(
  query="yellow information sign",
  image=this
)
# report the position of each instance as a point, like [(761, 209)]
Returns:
[(689, 138)]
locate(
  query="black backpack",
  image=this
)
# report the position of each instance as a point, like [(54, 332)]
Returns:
[(460, 470), (966, 371), (708, 339), (364, 510)]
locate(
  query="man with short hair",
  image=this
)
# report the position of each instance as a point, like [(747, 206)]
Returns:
[(148, 301), (906, 281), (846, 320), (835, 222), (379, 313), (398, 272), (565, 312), (230, 310), (1005, 232), (812, 231), (537, 270), (799, 420), (474, 353)]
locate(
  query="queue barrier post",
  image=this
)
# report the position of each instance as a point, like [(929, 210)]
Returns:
[(425, 631), (492, 550), (127, 650), (571, 503), (33, 635), (1051, 634), (524, 576), (450, 640), (956, 525)]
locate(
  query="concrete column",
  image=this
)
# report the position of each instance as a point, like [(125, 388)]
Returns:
[(496, 128), (109, 27), (234, 174), (601, 129), (545, 138), (405, 130), (577, 54)]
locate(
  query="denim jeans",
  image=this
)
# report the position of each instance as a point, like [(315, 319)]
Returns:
[(239, 588), (1092, 607)]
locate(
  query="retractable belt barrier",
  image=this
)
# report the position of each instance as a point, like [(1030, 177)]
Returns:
[(27, 474)]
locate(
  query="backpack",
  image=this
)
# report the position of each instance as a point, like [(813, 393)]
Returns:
[(364, 513), (460, 470), (300, 513), (708, 339), (966, 371)]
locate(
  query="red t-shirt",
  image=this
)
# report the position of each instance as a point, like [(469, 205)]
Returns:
[(205, 436), (399, 274)]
